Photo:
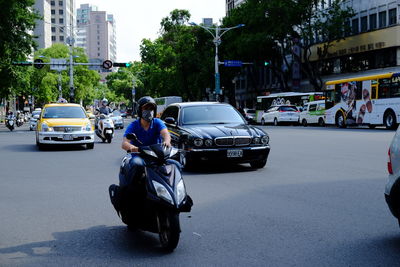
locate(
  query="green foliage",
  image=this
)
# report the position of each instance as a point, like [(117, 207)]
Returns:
[(18, 18), (45, 81), (179, 62)]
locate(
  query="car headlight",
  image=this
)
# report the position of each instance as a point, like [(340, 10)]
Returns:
[(180, 191), (46, 128), (88, 127), (256, 140), (265, 140), (198, 142), (162, 192), (208, 142)]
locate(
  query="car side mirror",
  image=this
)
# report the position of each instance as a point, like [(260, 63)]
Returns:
[(36, 116), (170, 120)]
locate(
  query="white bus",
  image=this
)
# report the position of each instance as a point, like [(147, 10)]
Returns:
[(163, 102), (288, 98), (368, 100)]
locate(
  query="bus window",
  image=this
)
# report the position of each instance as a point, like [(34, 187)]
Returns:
[(395, 89), (384, 88), (313, 107), (373, 92), (358, 90)]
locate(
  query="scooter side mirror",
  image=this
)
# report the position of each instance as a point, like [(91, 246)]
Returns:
[(131, 136), (36, 117)]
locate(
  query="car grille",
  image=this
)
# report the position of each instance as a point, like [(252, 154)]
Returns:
[(67, 129), (232, 141)]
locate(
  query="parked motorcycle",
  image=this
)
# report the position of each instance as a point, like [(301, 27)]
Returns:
[(10, 122), (156, 198), (105, 128)]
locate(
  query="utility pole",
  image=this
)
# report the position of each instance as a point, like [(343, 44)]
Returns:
[(71, 68)]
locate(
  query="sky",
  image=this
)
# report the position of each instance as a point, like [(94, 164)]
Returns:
[(138, 19)]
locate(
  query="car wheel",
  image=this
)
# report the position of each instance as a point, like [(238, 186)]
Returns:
[(276, 122), (258, 164), (90, 146), (304, 122), (371, 126), (389, 120), (340, 121), (321, 122), (262, 121)]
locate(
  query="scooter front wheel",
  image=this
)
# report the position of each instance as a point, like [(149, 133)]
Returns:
[(169, 230)]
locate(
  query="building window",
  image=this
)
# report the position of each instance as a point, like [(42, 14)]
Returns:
[(53, 29), (53, 38), (392, 16), (53, 20), (382, 19), (53, 3), (98, 43), (61, 38), (60, 3), (53, 11), (354, 26), (61, 21), (61, 12), (98, 54), (372, 22), (364, 24), (98, 32), (98, 48)]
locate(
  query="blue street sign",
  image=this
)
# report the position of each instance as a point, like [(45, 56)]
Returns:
[(233, 63)]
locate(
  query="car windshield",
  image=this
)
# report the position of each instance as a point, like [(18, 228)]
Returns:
[(211, 114), (288, 108), (64, 112), (116, 113)]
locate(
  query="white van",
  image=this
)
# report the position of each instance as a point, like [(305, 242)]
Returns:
[(313, 113)]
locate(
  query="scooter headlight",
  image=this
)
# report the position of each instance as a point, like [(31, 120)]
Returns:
[(180, 191), (162, 192), (46, 128)]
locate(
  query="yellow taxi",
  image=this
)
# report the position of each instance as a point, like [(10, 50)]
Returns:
[(64, 123)]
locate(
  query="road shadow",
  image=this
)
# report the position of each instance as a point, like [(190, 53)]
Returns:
[(99, 243), (21, 148), (215, 168)]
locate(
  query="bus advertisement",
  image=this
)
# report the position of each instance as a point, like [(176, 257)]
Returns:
[(368, 100), (163, 102), (288, 98)]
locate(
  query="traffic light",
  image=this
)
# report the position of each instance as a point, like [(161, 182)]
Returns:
[(124, 65), (266, 63)]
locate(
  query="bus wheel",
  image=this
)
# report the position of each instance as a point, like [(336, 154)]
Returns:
[(340, 122), (389, 120), (321, 122), (304, 122)]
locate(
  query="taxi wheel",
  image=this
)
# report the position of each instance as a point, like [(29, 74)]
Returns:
[(90, 146)]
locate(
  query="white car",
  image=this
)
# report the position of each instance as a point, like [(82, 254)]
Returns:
[(33, 119), (279, 114), (392, 190), (313, 113)]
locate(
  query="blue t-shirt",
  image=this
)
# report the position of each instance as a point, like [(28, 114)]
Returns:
[(149, 137)]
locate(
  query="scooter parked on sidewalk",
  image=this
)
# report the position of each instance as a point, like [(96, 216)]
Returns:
[(156, 196), (105, 128)]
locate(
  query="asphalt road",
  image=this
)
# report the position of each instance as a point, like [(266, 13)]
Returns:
[(318, 202)]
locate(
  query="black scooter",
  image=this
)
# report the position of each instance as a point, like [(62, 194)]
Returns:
[(155, 199), (10, 122)]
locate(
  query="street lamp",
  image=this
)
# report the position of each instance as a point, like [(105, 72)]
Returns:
[(217, 41)]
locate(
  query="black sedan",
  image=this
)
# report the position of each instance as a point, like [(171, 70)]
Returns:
[(217, 132)]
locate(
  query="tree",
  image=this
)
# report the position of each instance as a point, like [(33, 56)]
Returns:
[(45, 81), (17, 20)]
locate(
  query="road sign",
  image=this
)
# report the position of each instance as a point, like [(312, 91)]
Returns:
[(107, 64), (38, 63), (233, 63), (97, 61), (58, 64)]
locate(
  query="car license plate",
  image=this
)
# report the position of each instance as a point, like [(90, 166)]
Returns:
[(109, 131), (68, 137), (235, 153)]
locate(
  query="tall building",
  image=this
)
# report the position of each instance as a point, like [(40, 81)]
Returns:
[(43, 27), (96, 33), (62, 20), (231, 4)]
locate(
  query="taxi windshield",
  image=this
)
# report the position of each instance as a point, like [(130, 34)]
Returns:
[(64, 112)]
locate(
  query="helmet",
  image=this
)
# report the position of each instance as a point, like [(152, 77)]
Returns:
[(143, 101), (104, 101)]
